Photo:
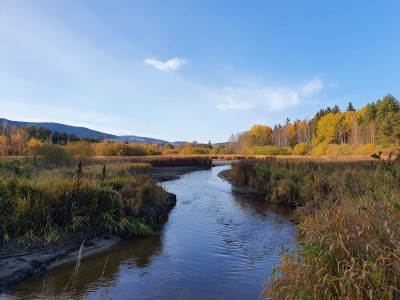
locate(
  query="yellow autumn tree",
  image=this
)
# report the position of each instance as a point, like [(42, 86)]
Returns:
[(258, 135), (3, 144), (80, 149), (16, 144), (327, 128), (300, 149), (33, 145)]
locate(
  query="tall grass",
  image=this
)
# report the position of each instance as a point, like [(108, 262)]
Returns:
[(154, 161), (348, 216), (46, 203)]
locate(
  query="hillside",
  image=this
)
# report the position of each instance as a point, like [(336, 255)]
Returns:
[(83, 131)]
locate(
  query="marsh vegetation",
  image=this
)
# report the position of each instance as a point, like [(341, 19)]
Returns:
[(348, 216)]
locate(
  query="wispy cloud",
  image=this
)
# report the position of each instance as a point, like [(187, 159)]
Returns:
[(269, 98), (168, 66), (232, 104), (312, 86), (281, 99)]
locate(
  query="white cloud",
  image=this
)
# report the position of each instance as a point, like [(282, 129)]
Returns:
[(312, 86), (270, 98), (281, 99), (170, 65), (232, 104)]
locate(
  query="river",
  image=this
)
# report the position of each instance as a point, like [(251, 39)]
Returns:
[(213, 246)]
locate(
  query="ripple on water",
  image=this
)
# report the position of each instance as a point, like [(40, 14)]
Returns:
[(213, 246)]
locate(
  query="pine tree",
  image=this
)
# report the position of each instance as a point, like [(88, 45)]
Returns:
[(350, 107)]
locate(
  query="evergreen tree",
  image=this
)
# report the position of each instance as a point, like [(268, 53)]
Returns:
[(350, 107), (335, 109)]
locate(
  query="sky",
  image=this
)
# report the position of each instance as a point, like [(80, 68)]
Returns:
[(193, 70)]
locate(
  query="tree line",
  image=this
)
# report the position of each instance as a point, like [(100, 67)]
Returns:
[(14, 139), (377, 124)]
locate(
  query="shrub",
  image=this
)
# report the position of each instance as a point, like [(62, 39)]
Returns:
[(366, 150), (80, 149), (218, 150), (170, 152), (265, 150), (53, 155), (319, 150), (300, 149), (192, 151), (339, 150), (106, 148), (152, 151)]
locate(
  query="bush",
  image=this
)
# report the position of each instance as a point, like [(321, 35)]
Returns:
[(106, 148), (265, 150), (366, 150), (300, 149), (80, 149), (152, 151), (170, 152), (53, 155), (319, 150), (339, 150), (218, 150), (192, 151)]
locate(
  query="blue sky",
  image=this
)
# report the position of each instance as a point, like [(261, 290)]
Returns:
[(193, 70)]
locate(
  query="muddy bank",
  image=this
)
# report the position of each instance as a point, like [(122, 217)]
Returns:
[(240, 191), (170, 173), (19, 262)]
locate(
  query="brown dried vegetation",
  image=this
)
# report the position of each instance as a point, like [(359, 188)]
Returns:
[(348, 216)]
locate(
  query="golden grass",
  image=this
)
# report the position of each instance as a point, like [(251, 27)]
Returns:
[(348, 230)]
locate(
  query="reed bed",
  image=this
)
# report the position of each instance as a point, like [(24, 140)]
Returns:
[(348, 215), (38, 203), (154, 161)]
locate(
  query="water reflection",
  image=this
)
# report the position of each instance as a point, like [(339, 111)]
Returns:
[(214, 246), (130, 253)]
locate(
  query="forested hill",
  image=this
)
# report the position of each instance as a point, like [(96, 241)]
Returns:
[(82, 131)]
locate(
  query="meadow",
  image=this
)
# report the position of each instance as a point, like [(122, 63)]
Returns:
[(348, 216)]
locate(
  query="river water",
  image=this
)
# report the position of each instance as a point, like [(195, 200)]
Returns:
[(213, 246)]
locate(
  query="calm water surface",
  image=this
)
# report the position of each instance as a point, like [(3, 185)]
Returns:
[(213, 246)]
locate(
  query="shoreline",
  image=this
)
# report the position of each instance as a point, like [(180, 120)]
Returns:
[(19, 262), (240, 191)]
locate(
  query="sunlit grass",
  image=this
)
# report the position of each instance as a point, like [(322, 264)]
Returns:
[(348, 215), (47, 203)]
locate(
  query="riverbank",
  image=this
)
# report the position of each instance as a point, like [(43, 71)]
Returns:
[(240, 191), (347, 216), (214, 245), (19, 262)]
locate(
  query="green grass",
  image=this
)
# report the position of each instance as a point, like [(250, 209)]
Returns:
[(47, 203)]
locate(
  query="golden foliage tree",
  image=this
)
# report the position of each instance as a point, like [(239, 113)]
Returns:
[(258, 135), (327, 128), (80, 149), (33, 145), (3, 144)]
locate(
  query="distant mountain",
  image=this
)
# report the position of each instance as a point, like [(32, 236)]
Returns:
[(84, 132)]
